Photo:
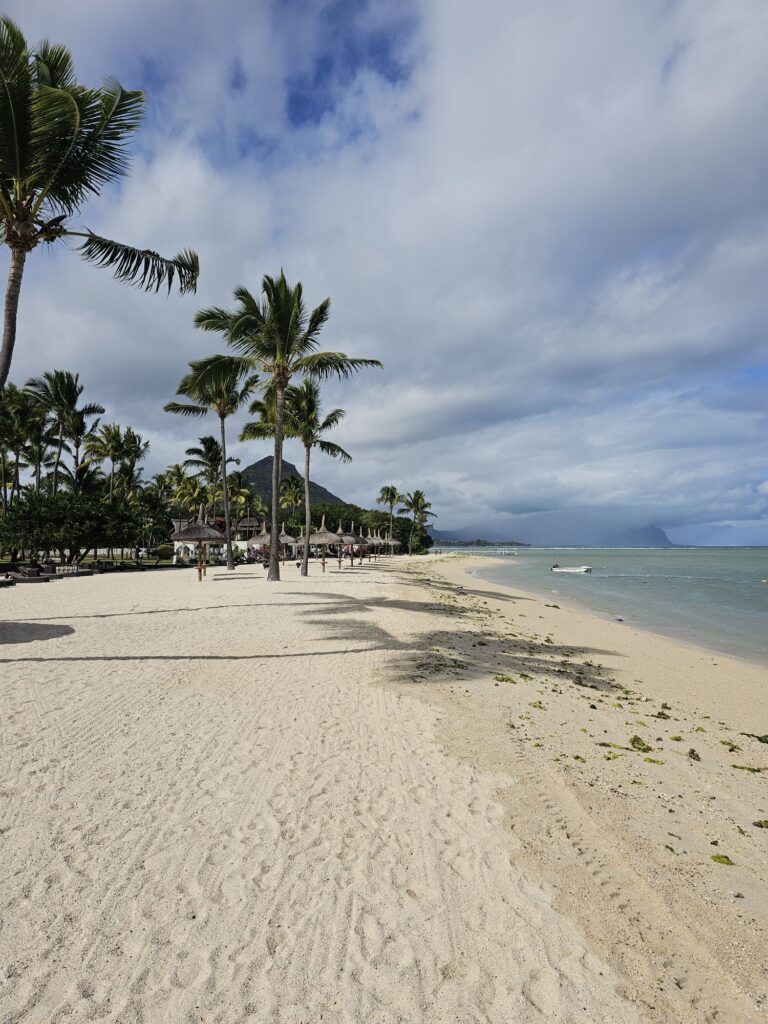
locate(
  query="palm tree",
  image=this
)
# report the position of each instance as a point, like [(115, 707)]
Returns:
[(417, 505), (305, 423), (291, 494), (219, 384), (135, 450), (278, 336), (106, 445), (18, 407), (61, 142), (79, 431), (389, 495), (57, 393)]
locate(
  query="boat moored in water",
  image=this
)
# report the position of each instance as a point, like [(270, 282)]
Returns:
[(571, 568)]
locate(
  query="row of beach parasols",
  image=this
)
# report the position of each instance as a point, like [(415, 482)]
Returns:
[(201, 534)]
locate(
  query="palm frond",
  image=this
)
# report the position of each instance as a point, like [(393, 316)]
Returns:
[(15, 91), (69, 166), (257, 430), (54, 65), (334, 450), (141, 267), (333, 419), (186, 410), (214, 319), (322, 365)]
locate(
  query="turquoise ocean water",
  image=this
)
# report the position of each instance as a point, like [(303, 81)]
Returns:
[(710, 596)]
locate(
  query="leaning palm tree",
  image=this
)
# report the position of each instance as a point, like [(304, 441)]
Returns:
[(416, 505), (278, 336), (389, 495), (57, 393), (60, 143), (306, 423), (218, 384)]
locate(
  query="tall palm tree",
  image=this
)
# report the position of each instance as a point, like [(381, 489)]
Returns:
[(79, 431), (106, 445), (60, 143), (219, 384), (416, 504), (307, 424), (278, 335), (57, 393), (18, 407), (389, 495), (135, 450), (291, 494)]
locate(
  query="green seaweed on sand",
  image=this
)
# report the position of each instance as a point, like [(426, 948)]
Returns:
[(537, 704), (504, 679), (761, 823), (639, 744), (722, 858), (754, 736), (579, 758), (732, 747), (677, 739), (653, 760), (747, 768)]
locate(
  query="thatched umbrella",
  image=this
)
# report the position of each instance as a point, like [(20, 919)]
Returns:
[(391, 543), (323, 537), (378, 542), (201, 534), (360, 542), (343, 539), (262, 539), (285, 539)]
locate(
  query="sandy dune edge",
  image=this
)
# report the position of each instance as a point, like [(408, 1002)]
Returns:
[(207, 813)]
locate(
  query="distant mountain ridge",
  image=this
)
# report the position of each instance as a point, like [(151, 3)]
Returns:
[(561, 536), (259, 477)]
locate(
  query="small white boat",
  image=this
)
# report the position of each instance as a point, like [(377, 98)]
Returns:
[(571, 568)]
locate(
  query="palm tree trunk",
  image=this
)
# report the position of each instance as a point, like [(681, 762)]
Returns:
[(391, 520), (3, 493), (225, 496), (12, 290), (15, 488), (75, 475), (58, 459), (307, 513), (277, 465)]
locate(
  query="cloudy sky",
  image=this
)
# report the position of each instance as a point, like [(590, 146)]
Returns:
[(549, 220)]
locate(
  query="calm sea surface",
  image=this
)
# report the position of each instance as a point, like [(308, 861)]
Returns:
[(711, 596)]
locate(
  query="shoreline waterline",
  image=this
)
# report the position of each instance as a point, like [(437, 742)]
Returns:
[(711, 598)]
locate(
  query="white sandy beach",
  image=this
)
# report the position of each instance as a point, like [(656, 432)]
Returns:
[(312, 801)]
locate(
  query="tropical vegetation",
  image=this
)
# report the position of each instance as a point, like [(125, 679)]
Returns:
[(279, 337), (219, 384)]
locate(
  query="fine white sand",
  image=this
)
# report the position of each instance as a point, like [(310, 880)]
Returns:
[(243, 801)]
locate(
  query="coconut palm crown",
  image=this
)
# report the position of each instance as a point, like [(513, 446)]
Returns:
[(57, 393), (219, 384), (389, 495), (60, 143), (420, 509), (278, 335)]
